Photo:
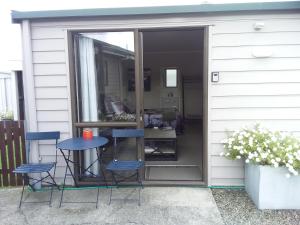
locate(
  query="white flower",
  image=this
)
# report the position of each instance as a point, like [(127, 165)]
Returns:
[(264, 155), (295, 173), (250, 156), (257, 160), (291, 169), (222, 154), (247, 161), (227, 154), (238, 157), (291, 161), (287, 175), (277, 159)]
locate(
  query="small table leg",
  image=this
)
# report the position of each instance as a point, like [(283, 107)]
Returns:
[(67, 158)]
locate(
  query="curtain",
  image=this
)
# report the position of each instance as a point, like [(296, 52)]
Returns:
[(88, 93)]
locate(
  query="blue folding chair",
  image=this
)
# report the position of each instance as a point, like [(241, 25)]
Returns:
[(116, 167), (38, 168)]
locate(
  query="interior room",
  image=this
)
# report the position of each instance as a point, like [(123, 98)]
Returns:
[(173, 62)]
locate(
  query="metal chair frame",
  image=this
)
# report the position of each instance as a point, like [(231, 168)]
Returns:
[(117, 166), (34, 168)]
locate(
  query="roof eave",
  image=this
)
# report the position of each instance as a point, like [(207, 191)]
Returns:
[(18, 16)]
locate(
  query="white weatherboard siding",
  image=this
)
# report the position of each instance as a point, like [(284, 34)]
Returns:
[(250, 89)]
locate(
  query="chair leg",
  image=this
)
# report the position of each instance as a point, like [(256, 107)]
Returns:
[(110, 196), (141, 186), (97, 197), (139, 197), (52, 186), (116, 183), (98, 191), (23, 188)]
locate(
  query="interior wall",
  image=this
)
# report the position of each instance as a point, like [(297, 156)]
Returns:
[(193, 102), (171, 50)]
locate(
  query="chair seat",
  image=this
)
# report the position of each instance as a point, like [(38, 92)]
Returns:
[(117, 165), (34, 168)]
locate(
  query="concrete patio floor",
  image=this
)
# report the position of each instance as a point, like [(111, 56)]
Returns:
[(159, 206)]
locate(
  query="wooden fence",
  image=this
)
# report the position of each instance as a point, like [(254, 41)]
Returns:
[(13, 153)]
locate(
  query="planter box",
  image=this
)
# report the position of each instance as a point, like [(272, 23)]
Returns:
[(269, 188)]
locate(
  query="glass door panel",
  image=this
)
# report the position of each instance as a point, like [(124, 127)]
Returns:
[(107, 89)]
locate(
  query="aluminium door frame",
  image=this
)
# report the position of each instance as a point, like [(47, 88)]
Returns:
[(138, 43)]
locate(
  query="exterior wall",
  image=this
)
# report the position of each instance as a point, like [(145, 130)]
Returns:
[(250, 89)]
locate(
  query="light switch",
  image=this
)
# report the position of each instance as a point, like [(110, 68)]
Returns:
[(215, 77)]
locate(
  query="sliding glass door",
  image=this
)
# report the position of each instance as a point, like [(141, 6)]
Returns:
[(107, 91)]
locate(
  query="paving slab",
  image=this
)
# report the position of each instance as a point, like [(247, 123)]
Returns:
[(159, 206)]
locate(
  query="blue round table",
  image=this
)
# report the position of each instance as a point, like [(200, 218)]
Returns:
[(80, 144)]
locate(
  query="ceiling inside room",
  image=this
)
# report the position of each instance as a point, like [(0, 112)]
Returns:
[(172, 40)]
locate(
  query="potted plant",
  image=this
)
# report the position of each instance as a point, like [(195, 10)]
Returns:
[(272, 166), (7, 115)]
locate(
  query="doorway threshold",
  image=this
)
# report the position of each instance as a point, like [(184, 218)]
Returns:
[(173, 173)]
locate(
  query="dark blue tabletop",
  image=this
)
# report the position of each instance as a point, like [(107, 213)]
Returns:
[(78, 144)]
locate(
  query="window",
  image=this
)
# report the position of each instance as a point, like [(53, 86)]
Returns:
[(102, 62), (171, 78)]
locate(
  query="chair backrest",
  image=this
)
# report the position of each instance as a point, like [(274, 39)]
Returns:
[(36, 136), (125, 133), (39, 136)]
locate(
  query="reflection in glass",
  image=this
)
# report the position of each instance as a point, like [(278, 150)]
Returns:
[(104, 65)]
